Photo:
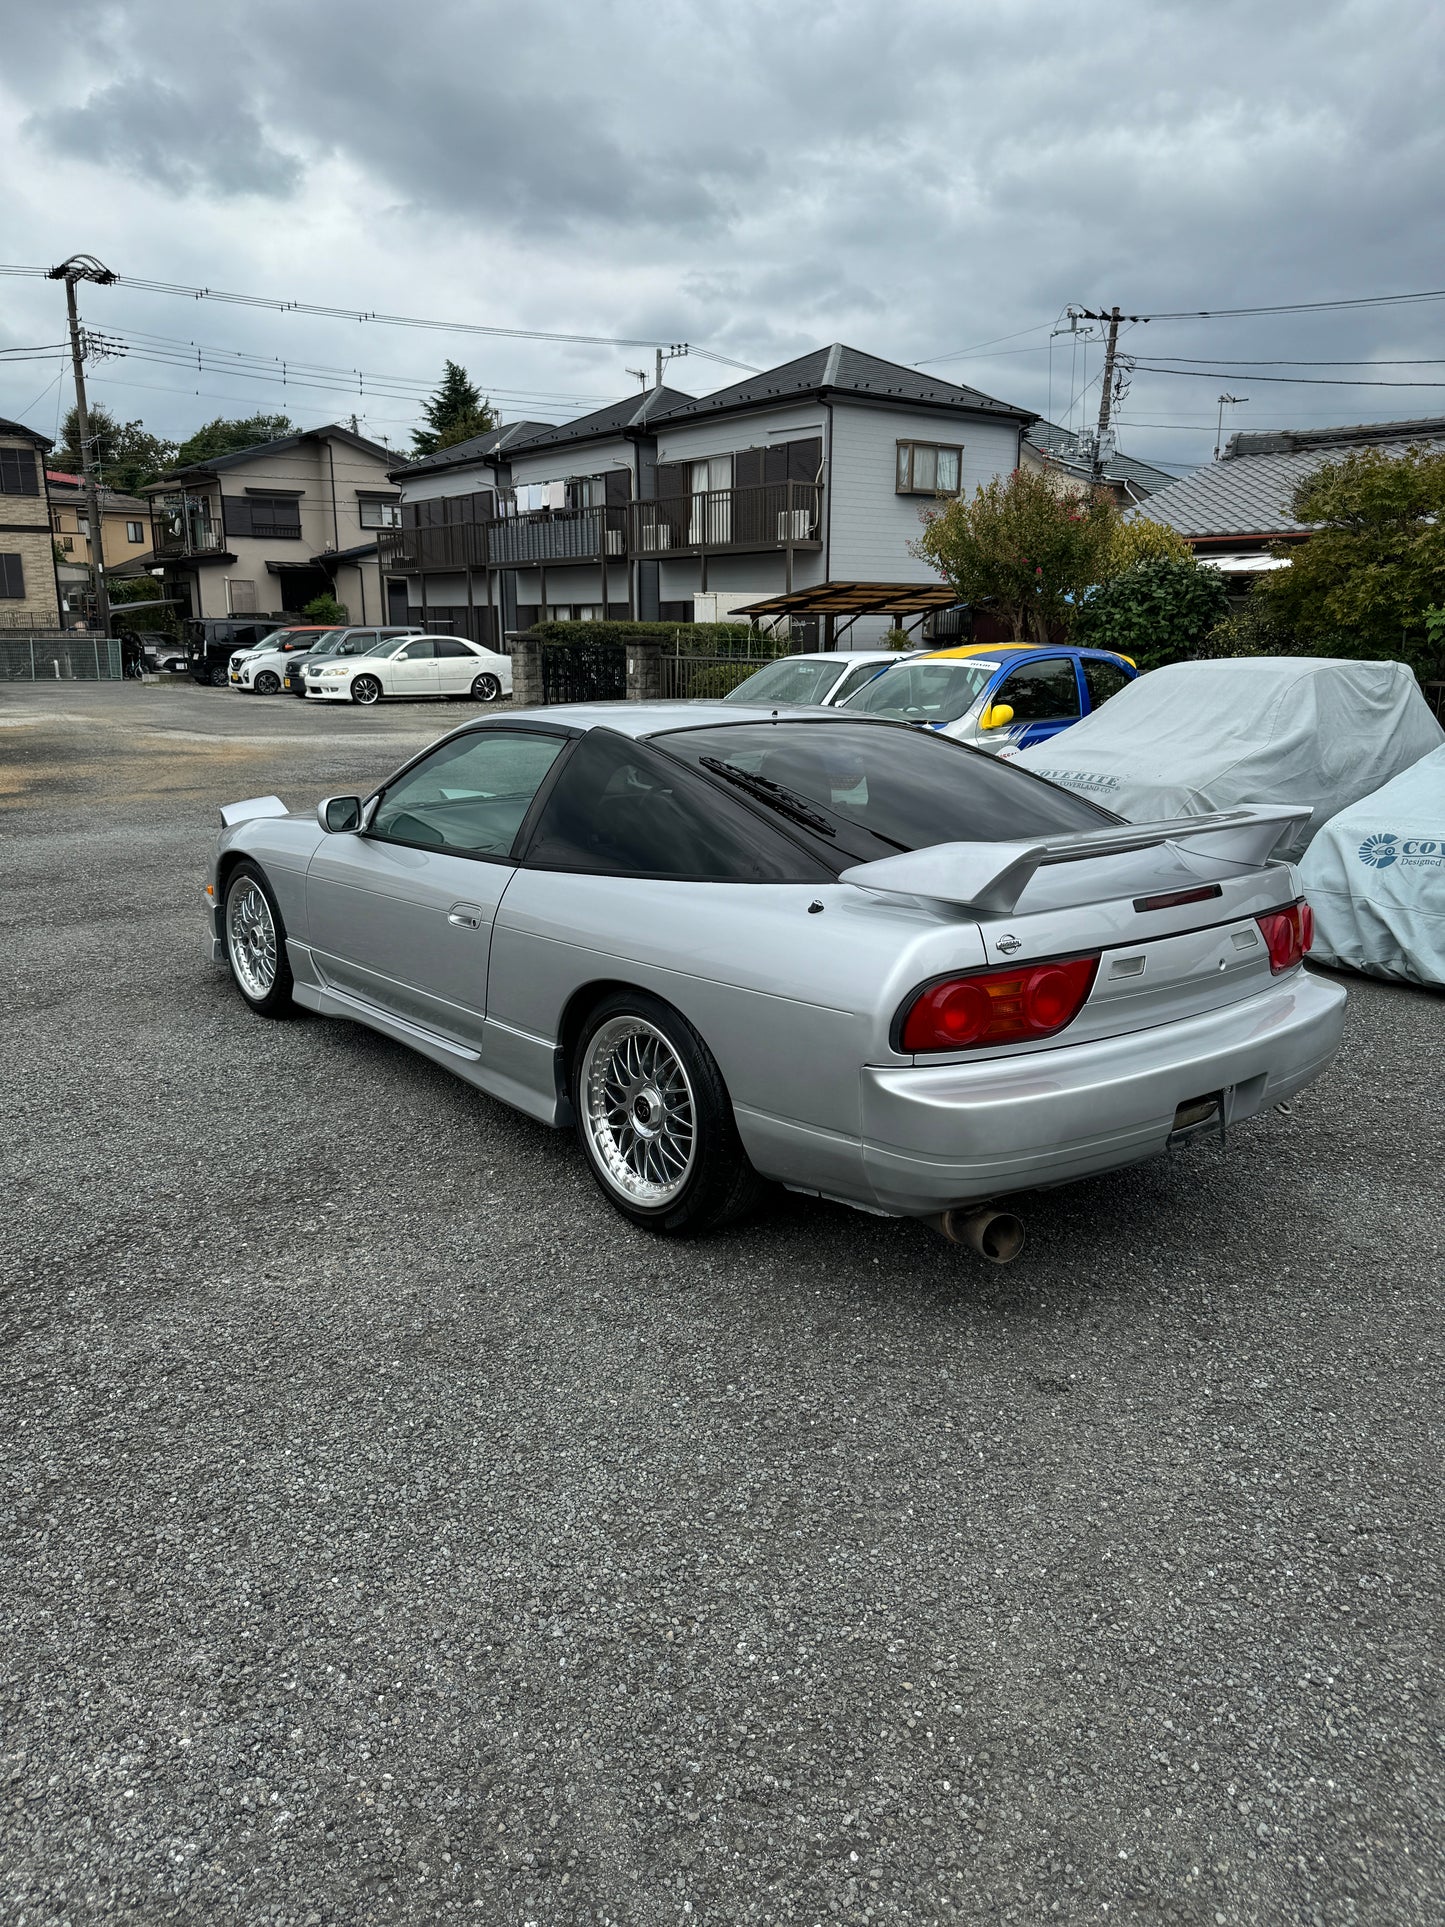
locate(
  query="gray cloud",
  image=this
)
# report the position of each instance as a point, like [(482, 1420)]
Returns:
[(174, 140), (911, 175)]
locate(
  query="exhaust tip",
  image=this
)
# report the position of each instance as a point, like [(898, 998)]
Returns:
[(997, 1236)]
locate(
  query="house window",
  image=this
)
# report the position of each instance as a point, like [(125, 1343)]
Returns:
[(12, 576), (82, 522), (380, 515), (240, 596), (17, 472), (276, 516), (135, 532), (928, 468), (67, 542)]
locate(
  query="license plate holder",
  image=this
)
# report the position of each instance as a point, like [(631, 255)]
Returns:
[(1202, 1116)]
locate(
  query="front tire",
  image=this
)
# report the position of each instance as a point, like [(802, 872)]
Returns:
[(365, 690), (219, 678), (655, 1119), (267, 683), (486, 688), (255, 939)]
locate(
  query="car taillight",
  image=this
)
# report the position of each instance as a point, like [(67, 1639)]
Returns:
[(998, 1006), (1288, 933)]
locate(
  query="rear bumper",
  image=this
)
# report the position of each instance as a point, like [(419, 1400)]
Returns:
[(941, 1134)]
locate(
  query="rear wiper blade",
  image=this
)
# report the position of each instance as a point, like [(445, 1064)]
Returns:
[(785, 802)]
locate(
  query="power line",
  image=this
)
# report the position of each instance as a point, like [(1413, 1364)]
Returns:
[(1290, 361), (957, 354), (377, 319), (1305, 381), (1300, 307)]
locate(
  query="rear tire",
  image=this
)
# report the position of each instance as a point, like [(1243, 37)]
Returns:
[(486, 688), (655, 1120), (255, 940), (365, 690), (219, 678), (267, 683)]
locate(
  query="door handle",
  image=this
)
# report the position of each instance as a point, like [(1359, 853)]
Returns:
[(463, 915)]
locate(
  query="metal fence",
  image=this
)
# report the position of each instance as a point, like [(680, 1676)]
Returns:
[(583, 672), (59, 655), (687, 676)]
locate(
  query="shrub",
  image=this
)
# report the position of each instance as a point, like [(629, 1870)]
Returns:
[(695, 638), (1160, 610), (898, 639), (1251, 629), (325, 608), (1145, 541)]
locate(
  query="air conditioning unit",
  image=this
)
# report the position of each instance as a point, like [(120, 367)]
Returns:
[(656, 535), (615, 543), (794, 525)]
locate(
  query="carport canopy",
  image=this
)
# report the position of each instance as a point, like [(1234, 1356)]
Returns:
[(841, 603)]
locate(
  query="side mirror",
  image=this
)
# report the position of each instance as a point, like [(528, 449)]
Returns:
[(999, 717), (339, 813)]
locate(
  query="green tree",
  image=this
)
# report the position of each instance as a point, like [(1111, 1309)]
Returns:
[(129, 456), (1023, 551), (1374, 563), (223, 437), (1160, 610), (1141, 540), (454, 414)]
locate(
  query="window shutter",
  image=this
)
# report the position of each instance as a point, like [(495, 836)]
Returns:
[(17, 472), (673, 479), (619, 487), (236, 514), (775, 463), (805, 459), (748, 468)]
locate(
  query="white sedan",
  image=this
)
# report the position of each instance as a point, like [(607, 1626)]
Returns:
[(413, 667)]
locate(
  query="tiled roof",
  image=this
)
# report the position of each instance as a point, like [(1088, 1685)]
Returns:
[(26, 434), (332, 432), (843, 370), (637, 411), (1248, 492), (478, 448), (1065, 446)]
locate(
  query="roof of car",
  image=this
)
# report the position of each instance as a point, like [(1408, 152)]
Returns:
[(1002, 651), (652, 719), (843, 657)]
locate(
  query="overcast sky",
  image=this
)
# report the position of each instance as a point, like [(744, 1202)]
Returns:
[(913, 177)]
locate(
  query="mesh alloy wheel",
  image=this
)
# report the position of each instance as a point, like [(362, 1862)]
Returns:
[(251, 938), (640, 1112)]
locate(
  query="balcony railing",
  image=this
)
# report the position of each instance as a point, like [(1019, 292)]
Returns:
[(776, 515), (557, 535), (170, 540), (462, 545)]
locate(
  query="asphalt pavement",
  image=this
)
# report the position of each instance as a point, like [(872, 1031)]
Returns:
[(391, 1534)]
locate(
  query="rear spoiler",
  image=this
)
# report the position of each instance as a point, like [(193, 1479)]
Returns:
[(234, 813), (989, 878)]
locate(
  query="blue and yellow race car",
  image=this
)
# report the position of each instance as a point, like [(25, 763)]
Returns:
[(1000, 699)]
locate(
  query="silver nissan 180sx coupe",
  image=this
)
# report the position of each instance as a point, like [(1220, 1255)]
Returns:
[(735, 944)]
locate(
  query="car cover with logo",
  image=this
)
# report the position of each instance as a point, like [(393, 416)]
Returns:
[(1202, 736), (1375, 879)]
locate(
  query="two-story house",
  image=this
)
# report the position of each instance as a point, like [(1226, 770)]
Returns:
[(125, 539), (812, 473), (29, 596), (265, 530)]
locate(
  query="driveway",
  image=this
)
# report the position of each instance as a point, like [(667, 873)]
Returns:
[(393, 1535)]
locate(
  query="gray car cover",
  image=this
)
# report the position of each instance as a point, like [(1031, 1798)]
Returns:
[(1201, 736), (1375, 879)]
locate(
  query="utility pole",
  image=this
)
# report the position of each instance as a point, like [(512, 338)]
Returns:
[(85, 267), (667, 354), (1106, 390)]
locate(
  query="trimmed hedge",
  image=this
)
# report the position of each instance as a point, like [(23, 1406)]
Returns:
[(697, 638)]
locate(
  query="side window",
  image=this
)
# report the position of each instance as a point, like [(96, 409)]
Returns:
[(1103, 680), (422, 650), (470, 795), (1042, 692), (450, 648), (357, 643), (855, 679), (620, 809)]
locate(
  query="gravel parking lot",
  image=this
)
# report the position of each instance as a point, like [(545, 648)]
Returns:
[(391, 1534)]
